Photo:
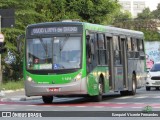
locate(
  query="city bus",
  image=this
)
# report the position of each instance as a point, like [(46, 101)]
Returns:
[(82, 59)]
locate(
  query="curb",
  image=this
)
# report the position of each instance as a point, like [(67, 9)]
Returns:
[(11, 91), (19, 98)]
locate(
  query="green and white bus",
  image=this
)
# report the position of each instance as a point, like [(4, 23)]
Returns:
[(82, 59)]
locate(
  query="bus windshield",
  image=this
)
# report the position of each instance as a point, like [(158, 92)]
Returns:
[(53, 53)]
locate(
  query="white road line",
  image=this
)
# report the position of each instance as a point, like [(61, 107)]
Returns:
[(117, 107), (32, 110), (137, 107), (32, 105), (138, 103), (8, 108), (125, 97), (140, 97), (156, 97), (80, 106), (156, 107), (62, 106), (104, 102), (98, 106), (121, 103)]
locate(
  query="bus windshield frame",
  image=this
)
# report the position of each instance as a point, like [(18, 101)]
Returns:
[(53, 53)]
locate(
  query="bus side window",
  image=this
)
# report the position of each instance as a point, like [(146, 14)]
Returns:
[(140, 45), (141, 49), (134, 48), (116, 46), (90, 51), (129, 47), (101, 49)]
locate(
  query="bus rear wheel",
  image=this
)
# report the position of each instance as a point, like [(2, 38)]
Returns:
[(47, 99), (133, 92)]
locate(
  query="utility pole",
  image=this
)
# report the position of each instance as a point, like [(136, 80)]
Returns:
[(1, 92), (0, 58)]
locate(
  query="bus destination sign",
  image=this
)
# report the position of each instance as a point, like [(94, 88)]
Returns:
[(53, 30)]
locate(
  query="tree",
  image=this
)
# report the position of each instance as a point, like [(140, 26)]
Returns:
[(35, 11), (146, 14), (93, 11), (156, 12), (23, 16)]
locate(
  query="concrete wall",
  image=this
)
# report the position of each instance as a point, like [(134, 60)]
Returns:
[(152, 53)]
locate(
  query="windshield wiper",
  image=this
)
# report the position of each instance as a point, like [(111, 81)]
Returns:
[(44, 46), (63, 43)]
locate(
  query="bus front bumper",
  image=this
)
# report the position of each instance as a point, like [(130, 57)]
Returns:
[(73, 88)]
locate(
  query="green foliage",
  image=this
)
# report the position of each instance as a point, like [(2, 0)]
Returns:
[(146, 22), (12, 85), (35, 11), (156, 12), (151, 35), (146, 14)]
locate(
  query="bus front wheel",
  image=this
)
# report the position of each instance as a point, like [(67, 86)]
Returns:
[(47, 99), (98, 98)]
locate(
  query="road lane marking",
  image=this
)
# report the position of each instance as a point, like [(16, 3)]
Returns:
[(116, 107), (98, 106), (122, 103), (156, 97), (140, 97), (138, 103), (31, 105), (136, 107), (62, 106), (125, 97), (80, 106), (156, 107)]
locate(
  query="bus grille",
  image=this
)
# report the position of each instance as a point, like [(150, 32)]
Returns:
[(155, 78)]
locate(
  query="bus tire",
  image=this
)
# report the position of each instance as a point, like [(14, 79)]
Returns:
[(47, 99), (98, 98), (124, 93), (133, 92), (148, 88)]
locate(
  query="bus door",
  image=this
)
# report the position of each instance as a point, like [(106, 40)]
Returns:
[(124, 61), (110, 74), (118, 64)]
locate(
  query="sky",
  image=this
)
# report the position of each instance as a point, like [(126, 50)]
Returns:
[(152, 4)]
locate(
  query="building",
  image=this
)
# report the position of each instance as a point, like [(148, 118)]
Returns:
[(133, 6)]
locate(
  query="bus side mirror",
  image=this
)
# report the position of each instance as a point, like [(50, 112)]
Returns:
[(19, 42), (90, 45)]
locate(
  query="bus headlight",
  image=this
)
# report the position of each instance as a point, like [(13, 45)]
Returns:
[(78, 77), (29, 79)]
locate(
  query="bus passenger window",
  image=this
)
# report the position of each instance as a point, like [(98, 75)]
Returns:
[(140, 45), (101, 49), (116, 44)]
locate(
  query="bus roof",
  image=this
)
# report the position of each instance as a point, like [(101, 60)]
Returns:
[(94, 27)]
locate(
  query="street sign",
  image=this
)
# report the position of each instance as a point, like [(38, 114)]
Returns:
[(7, 18), (1, 37)]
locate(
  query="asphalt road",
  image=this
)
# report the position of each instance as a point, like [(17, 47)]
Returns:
[(111, 102)]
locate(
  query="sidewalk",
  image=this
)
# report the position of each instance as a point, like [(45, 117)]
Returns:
[(17, 95)]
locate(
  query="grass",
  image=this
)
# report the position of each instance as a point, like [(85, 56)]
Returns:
[(12, 85)]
